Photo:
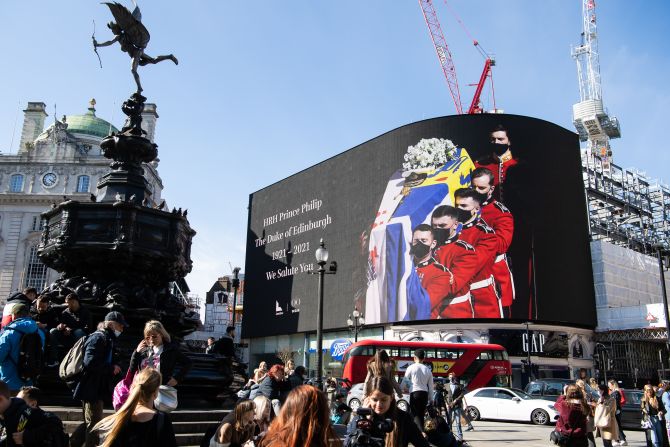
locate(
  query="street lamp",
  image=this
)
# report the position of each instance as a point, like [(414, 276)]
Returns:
[(321, 259), (528, 347), (356, 321), (236, 285)]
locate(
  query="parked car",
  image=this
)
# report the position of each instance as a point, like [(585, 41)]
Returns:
[(509, 404), (355, 398), (550, 389), (631, 413)]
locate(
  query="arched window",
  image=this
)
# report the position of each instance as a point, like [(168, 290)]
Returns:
[(83, 182), (16, 183)]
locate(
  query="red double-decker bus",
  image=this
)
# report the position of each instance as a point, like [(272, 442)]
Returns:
[(475, 365)]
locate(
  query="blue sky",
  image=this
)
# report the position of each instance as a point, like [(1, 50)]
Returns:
[(265, 89)]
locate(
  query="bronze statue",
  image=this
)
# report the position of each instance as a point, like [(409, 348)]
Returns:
[(133, 38)]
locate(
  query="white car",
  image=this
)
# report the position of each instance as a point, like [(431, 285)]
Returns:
[(509, 404), (355, 398)]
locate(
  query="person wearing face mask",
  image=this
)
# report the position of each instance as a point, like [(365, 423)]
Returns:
[(460, 260), (501, 220), (485, 298), (100, 366), (383, 405), (435, 278), (499, 159), (158, 351)]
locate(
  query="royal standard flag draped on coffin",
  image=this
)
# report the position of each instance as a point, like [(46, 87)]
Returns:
[(394, 291)]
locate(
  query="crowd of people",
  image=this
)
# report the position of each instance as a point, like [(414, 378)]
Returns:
[(277, 407), (37, 335), (583, 417)]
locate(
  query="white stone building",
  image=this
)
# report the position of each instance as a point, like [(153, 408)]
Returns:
[(62, 161)]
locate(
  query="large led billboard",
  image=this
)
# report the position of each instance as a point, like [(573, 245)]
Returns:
[(462, 217)]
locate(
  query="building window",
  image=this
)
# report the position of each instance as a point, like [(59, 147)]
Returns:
[(36, 272), (38, 224), (82, 183), (16, 183)]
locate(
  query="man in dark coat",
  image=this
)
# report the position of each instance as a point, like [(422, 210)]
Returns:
[(454, 394), (95, 384), (74, 323)]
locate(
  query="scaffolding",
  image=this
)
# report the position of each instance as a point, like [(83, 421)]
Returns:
[(625, 207)]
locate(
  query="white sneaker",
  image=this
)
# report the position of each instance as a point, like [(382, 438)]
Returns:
[(617, 443)]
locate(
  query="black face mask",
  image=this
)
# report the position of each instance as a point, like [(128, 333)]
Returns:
[(419, 250), (464, 216), (498, 149), (441, 235)]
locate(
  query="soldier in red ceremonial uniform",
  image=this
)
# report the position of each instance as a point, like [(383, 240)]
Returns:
[(435, 278), (500, 159), (476, 232), (501, 220), (459, 258)]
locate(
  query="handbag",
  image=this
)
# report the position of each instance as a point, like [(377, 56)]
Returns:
[(605, 415), (122, 391), (645, 424), (559, 438), (166, 401)]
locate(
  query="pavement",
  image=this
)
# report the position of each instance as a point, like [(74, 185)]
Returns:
[(491, 433)]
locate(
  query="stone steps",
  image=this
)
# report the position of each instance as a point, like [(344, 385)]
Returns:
[(189, 425)]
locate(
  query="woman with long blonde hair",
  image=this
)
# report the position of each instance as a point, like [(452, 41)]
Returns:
[(158, 351), (304, 421), (653, 411), (137, 423)]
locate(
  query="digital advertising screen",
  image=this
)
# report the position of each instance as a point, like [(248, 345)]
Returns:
[(467, 217)]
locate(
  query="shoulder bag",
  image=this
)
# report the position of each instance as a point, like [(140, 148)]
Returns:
[(167, 399)]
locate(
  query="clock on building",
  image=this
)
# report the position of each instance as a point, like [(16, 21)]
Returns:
[(49, 179)]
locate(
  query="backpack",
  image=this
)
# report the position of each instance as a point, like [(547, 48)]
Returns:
[(73, 364), (623, 397), (31, 355)]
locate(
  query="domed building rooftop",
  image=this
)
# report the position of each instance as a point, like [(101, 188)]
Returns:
[(86, 124), (89, 124)]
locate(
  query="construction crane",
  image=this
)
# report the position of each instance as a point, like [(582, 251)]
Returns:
[(447, 63), (593, 123)]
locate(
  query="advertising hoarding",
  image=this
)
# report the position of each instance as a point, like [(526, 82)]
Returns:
[(515, 252)]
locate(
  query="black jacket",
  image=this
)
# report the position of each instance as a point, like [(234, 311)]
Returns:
[(18, 297), (170, 358), (410, 432), (296, 380), (80, 319), (99, 358), (36, 430), (50, 318), (455, 397)]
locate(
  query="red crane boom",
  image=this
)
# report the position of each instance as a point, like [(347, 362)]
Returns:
[(442, 50), (447, 63)]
